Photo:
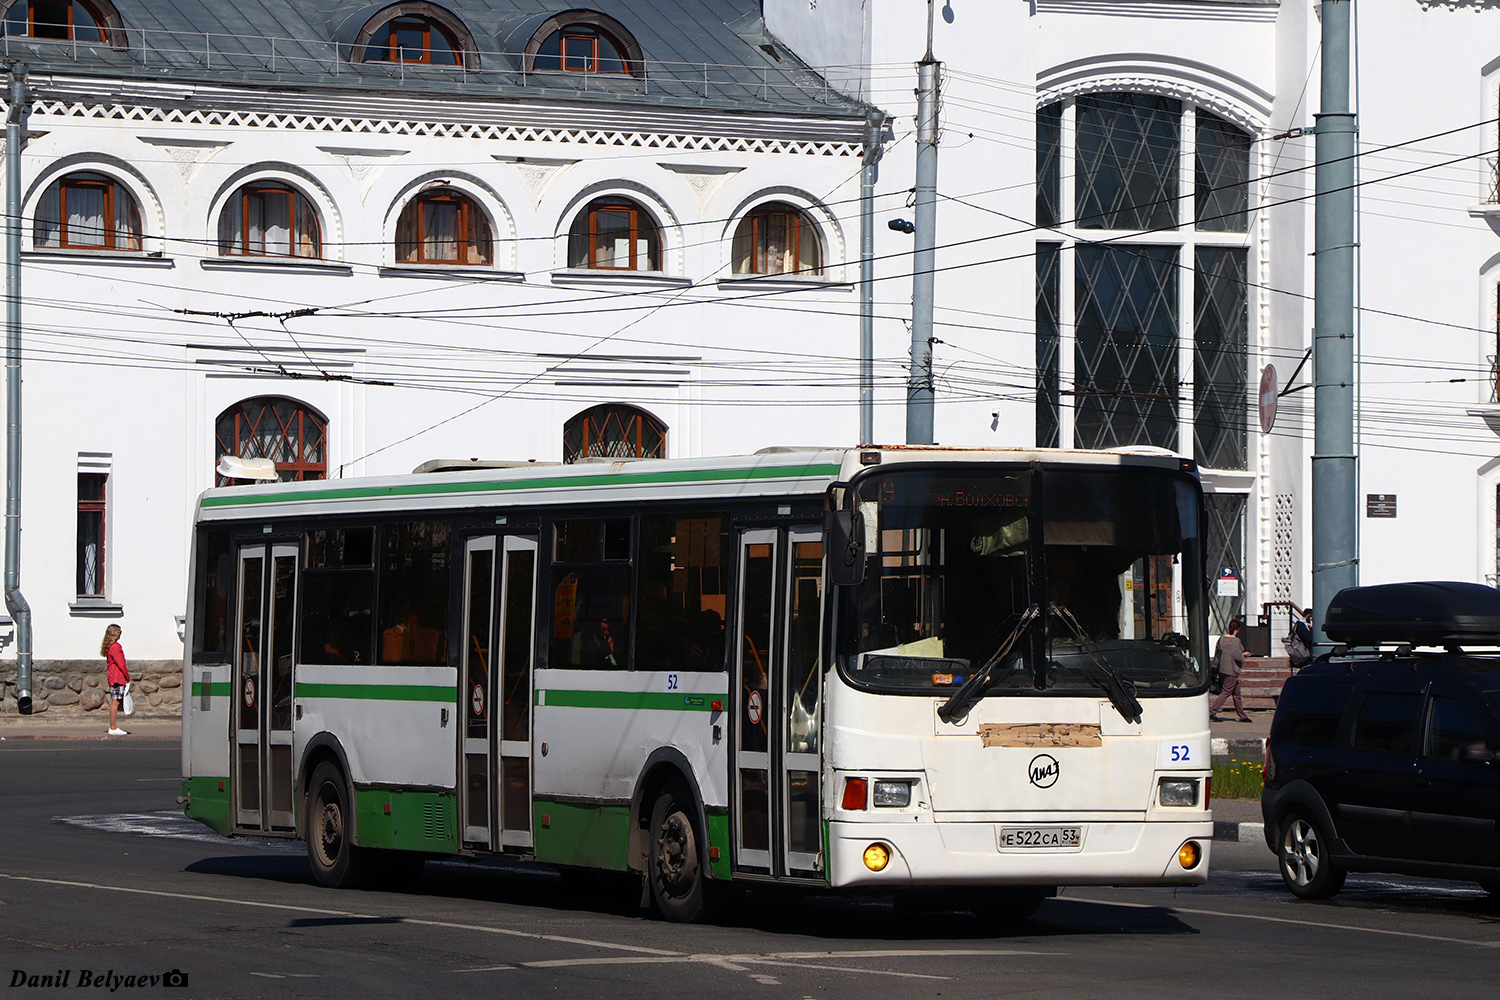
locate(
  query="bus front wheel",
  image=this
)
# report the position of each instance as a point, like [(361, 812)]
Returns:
[(676, 858), (336, 862)]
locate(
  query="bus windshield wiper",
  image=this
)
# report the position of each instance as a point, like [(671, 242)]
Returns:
[(1120, 690), (979, 681)]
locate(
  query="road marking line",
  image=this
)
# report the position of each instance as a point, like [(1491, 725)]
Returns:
[(1287, 920), (733, 963), (290, 908)]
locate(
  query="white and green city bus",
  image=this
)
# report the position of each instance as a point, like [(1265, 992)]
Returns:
[(880, 669)]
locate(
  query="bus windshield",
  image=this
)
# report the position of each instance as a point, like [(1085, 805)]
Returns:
[(953, 563)]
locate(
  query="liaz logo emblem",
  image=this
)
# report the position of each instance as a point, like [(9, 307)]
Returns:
[(1043, 770)]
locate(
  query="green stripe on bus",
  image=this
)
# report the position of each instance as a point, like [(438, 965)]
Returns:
[(378, 692), (661, 701), (216, 689), (542, 483)]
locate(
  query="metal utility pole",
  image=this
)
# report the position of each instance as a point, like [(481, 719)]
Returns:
[(1335, 503), (869, 173), (20, 611), (919, 389)]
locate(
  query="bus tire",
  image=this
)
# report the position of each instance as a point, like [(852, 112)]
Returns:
[(335, 861), (675, 850)]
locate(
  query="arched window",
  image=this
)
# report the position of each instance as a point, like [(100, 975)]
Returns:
[(59, 19), (1128, 317), (412, 40), (269, 219), (614, 234), (290, 434), (613, 430), (415, 32), (443, 226), (87, 211), (584, 41), (777, 239)]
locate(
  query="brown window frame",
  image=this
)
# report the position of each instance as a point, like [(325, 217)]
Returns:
[(413, 216), (71, 33), (294, 431), (633, 422), (397, 53), (797, 224), (90, 507), (296, 199), (652, 231), (112, 189)]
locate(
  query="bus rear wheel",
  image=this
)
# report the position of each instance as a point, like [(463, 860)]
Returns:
[(336, 862), (675, 859)]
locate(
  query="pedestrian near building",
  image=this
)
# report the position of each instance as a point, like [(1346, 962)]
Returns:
[(117, 675), (1229, 659)]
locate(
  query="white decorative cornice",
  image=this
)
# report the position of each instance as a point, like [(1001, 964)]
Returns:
[(592, 136), (538, 173), (1225, 94), (365, 164), (188, 154), (704, 180)]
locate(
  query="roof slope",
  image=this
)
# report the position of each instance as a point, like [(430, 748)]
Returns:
[(697, 53)]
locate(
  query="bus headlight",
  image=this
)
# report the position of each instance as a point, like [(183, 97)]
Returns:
[(895, 794), (1188, 855), (877, 856), (1177, 792)]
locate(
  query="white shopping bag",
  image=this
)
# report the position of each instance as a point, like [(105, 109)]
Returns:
[(129, 705)]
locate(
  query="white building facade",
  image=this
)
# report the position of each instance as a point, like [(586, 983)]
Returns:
[(357, 241), (1124, 236)]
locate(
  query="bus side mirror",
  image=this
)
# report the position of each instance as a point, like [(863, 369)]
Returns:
[(845, 539)]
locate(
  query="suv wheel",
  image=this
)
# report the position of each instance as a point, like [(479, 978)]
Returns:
[(1303, 855)]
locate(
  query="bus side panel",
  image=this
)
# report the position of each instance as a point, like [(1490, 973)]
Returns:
[(593, 732), (205, 745), (398, 725), (406, 820)]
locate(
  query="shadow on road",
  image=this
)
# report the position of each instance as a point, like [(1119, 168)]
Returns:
[(774, 909)]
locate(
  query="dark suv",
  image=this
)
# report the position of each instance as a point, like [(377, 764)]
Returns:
[(1383, 754)]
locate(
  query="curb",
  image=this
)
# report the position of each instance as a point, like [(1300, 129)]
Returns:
[(1239, 832)]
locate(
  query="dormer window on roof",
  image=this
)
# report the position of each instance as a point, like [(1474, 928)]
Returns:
[(63, 20), (417, 32), (584, 41)]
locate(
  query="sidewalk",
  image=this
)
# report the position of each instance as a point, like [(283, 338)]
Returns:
[(55, 726)]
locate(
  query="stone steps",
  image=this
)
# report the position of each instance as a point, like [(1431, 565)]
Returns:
[(1261, 680)]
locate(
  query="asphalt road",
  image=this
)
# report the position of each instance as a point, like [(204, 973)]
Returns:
[(100, 875)]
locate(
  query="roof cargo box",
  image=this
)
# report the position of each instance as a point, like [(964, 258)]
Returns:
[(1423, 614)]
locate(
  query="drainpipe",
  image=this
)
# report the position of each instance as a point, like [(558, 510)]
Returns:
[(869, 173), (20, 611)]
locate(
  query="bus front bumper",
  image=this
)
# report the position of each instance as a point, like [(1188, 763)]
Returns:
[(969, 853)]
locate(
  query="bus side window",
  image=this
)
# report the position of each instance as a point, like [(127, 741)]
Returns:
[(338, 590), (683, 588), (414, 562), (591, 578)]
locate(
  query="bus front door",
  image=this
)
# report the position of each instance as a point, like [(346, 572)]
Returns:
[(262, 688), (778, 820), (500, 602)]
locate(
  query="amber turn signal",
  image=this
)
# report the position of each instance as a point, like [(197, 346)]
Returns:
[(877, 856), (1188, 855), (855, 793)]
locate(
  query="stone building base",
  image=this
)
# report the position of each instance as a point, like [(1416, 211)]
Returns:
[(78, 687)]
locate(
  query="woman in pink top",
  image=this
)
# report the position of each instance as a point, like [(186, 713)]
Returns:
[(116, 673)]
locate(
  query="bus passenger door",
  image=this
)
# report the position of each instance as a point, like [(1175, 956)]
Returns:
[(778, 818), (477, 691), (516, 640), (262, 686), (753, 671), (799, 705)]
